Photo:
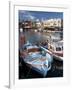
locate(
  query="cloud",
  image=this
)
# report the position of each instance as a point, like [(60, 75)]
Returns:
[(26, 15)]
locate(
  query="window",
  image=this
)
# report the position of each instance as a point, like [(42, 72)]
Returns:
[(58, 49)]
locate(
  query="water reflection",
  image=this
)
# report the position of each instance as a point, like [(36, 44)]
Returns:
[(34, 37)]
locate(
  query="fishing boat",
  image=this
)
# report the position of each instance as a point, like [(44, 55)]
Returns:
[(37, 59), (56, 48)]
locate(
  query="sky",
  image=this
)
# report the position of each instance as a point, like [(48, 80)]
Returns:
[(38, 15)]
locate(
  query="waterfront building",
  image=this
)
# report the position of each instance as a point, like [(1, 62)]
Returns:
[(25, 24), (52, 23), (38, 24)]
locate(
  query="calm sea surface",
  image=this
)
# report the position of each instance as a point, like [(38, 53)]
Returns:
[(34, 37)]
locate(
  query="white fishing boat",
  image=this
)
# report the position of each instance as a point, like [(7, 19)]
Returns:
[(38, 59), (56, 48)]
